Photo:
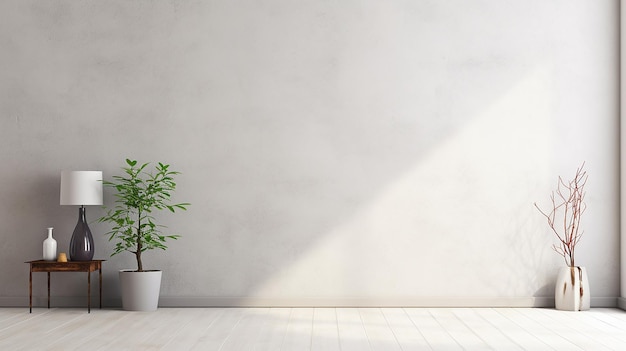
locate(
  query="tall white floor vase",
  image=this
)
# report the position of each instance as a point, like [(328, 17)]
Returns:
[(572, 291)]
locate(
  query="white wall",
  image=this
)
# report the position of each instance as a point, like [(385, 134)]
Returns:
[(622, 300), (353, 152)]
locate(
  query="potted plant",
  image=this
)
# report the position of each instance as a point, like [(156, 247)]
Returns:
[(139, 195), (572, 285)]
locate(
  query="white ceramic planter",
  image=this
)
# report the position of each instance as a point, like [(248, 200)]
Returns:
[(140, 290), (572, 291)]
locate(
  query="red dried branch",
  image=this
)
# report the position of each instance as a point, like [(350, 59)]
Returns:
[(568, 201)]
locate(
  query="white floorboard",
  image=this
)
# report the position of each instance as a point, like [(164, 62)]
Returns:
[(381, 337), (436, 335), (493, 337), (325, 335), (409, 337), (273, 330), (352, 335), (327, 329)]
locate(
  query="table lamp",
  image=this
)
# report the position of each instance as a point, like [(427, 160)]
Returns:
[(81, 188)]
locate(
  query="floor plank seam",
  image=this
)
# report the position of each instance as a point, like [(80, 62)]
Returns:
[(496, 327), (529, 332), (391, 329), (417, 328), (282, 344), (230, 333), (364, 329)]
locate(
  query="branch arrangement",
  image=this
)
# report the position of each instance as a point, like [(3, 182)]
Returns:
[(568, 207)]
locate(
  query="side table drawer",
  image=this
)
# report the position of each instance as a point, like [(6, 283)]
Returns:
[(64, 266)]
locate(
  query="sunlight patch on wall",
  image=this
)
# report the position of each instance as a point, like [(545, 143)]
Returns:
[(475, 189)]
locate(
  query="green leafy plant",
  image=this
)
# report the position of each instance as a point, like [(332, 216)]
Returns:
[(139, 194)]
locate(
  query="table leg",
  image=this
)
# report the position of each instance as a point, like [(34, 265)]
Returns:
[(100, 283), (48, 290), (30, 291), (89, 292)]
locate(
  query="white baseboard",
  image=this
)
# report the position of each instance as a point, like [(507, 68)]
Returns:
[(200, 301), (372, 302), (59, 301), (621, 303), (353, 302)]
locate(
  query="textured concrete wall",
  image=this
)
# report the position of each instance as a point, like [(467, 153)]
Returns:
[(333, 151)]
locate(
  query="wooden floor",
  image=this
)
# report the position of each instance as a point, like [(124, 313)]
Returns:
[(295, 329)]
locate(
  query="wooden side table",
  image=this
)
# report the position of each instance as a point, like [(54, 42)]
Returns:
[(72, 266)]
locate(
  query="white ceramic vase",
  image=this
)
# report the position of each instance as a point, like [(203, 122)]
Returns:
[(50, 247), (140, 290), (572, 291)]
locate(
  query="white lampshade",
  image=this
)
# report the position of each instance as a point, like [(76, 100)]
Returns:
[(81, 188)]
